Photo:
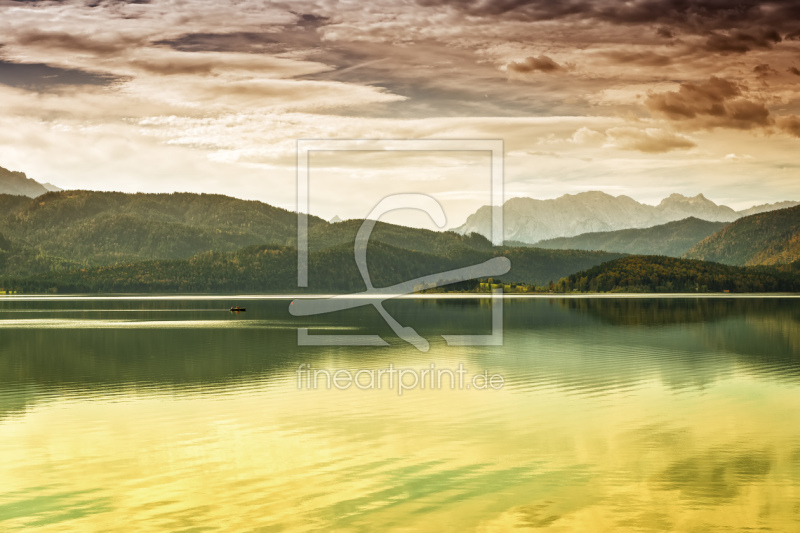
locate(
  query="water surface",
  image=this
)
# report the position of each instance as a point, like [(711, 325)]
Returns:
[(619, 414)]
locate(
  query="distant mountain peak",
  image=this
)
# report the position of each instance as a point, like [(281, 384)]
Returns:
[(680, 198), (529, 220), (335, 219), (18, 184), (588, 195)]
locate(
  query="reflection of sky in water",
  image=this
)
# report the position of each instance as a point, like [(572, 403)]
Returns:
[(616, 417)]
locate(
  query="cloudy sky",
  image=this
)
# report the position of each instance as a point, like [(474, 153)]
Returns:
[(642, 98)]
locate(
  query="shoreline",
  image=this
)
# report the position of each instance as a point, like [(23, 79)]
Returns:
[(358, 296)]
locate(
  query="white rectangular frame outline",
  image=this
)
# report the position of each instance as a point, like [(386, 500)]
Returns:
[(496, 195), (306, 146)]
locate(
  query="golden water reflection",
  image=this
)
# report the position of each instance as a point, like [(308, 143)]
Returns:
[(605, 425)]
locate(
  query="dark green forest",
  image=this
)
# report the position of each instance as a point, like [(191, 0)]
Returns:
[(771, 238), (668, 274), (273, 269)]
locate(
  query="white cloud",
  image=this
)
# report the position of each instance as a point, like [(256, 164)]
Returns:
[(734, 158), (649, 140), (586, 135)]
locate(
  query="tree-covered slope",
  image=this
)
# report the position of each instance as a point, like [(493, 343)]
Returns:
[(668, 274), (12, 204), (323, 236), (672, 239), (20, 260), (87, 229), (273, 269), (771, 238), (104, 228)]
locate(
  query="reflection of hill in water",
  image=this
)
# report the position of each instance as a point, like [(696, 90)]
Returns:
[(45, 363), (666, 311), (588, 346), (760, 327)]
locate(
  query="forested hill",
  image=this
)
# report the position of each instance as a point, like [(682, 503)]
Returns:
[(771, 238), (10, 203), (86, 241), (668, 274), (90, 228), (104, 228), (101, 241), (672, 239), (273, 269)]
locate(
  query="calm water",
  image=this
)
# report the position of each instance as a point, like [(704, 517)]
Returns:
[(617, 415)]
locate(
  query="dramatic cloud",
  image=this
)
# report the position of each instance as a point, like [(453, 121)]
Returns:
[(75, 42), (790, 125), (665, 32), (650, 140), (739, 42), (696, 16), (540, 63), (647, 58), (763, 70), (90, 89), (38, 76), (716, 103)]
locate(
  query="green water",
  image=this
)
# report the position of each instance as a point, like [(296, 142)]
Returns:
[(616, 415)]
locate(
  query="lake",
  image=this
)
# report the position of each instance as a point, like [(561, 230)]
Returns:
[(615, 414)]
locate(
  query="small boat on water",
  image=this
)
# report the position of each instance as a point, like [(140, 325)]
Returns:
[(238, 309)]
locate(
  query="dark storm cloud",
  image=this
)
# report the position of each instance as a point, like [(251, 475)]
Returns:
[(310, 20), (692, 16), (88, 3), (41, 76), (302, 34), (650, 59), (763, 70), (716, 103), (541, 63), (665, 32), (794, 70), (515, 9), (707, 98), (248, 42), (739, 42), (108, 3), (75, 42), (790, 125)]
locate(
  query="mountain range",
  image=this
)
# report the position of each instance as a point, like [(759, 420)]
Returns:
[(92, 241), (17, 183), (530, 221)]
